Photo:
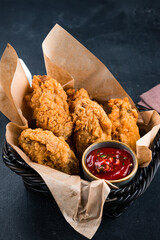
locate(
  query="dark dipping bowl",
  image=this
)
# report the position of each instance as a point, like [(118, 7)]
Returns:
[(110, 144)]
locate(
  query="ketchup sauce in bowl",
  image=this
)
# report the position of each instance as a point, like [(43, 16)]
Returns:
[(109, 160), (109, 163)]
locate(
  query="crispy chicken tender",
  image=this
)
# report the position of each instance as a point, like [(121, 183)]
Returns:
[(50, 108), (43, 147), (91, 123), (70, 95), (74, 96), (124, 122)]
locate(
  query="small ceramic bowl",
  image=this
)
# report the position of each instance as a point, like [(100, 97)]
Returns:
[(115, 144)]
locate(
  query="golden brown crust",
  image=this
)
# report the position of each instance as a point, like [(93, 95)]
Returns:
[(74, 96), (50, 108), (124, 122), (43, 147), (91, 123)]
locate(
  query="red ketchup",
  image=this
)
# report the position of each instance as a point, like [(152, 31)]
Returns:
[(109, 163)]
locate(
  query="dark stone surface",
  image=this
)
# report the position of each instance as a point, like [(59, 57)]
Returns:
[(125, 36)]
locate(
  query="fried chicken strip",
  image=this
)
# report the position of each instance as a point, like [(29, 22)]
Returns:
[(74, 96), (124, 122), (43, 147), (50, 108), (91, 123)]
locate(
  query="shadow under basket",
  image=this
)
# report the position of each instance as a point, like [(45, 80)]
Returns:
[(118, 200)]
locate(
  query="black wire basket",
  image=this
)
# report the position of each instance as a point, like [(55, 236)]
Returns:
[(118, 200)]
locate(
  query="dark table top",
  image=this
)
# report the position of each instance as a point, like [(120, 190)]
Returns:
[(125, 36)]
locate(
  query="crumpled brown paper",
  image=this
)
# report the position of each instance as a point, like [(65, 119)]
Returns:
[(63, 51), (13, 87), (81, 202)]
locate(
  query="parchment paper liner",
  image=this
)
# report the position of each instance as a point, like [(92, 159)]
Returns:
[(80, 202)]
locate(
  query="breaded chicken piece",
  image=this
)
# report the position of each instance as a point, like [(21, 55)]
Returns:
[(43, 147), (91, 123), (124, 122), (74, 96), (70, 95), (50, 108)]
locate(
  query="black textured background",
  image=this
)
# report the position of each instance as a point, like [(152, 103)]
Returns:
[(125, 36)]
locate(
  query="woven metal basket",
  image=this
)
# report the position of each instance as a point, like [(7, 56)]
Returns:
[(120, 199)]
